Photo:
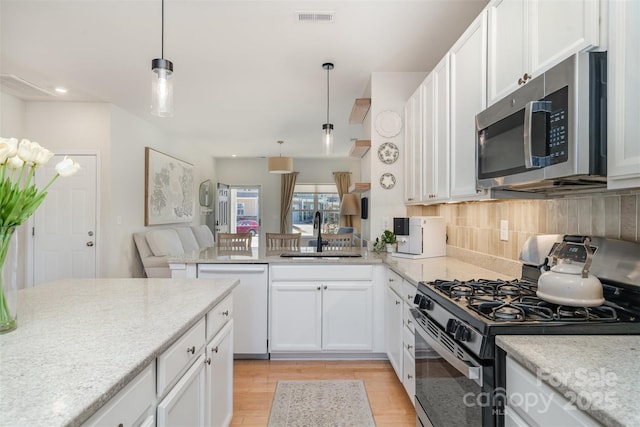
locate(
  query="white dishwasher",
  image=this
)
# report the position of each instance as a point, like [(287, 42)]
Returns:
[(250, 304)]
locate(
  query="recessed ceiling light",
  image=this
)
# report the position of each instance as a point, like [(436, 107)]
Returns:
[(233, 155), (61, 89)]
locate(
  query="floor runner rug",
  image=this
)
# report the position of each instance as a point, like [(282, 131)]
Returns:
[(341, 403)]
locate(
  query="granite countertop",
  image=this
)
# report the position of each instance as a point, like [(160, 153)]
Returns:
[(445, 268), (214, 255), (600, 372), (80, 341)]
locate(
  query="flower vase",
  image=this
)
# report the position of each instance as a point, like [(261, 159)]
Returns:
[(391, 247), (8, 279)]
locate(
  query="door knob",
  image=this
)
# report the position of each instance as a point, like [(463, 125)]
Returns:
[(90, 233), (89, 243)]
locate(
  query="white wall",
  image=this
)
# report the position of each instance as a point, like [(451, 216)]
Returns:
[(254, 172), (389, 91), (118, 138)]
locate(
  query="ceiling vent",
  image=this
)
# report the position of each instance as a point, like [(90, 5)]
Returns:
[(23, 89), (310, 16)]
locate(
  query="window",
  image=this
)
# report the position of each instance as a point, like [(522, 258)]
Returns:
[(240, 209), (309, 198)]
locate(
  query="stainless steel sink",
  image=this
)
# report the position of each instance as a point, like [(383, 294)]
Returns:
[(327, 254)]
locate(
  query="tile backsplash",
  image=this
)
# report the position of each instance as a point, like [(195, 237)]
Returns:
[(476, 225)]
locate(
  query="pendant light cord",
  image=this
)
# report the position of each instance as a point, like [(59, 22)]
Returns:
[(328, 69), (162, 33)]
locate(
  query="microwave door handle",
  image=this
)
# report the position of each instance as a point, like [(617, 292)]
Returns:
[(529, 109), (473, 373)]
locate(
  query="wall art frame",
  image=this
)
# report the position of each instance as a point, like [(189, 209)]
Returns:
[(169, 189)]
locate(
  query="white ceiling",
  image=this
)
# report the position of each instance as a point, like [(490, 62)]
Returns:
[(246, 73)]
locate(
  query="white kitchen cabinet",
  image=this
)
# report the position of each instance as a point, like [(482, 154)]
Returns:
[(436, 131), (185, 404), (133, 405), (203, 395), (394, 330), (347, 316), (468, 58), (219, 377), (296, 323), (531, 402), (322, 309), (527, 37), (413, 148), (409, 371), (250, 304), (623, 154), (317, 316)]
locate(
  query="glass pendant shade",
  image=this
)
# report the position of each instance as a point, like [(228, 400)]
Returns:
[(280, 165), (327, 138), (162, 88)]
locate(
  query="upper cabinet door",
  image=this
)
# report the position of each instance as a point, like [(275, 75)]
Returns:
[(527, 37), (468, 98), (623, 155), (560, 28), (507, 47)]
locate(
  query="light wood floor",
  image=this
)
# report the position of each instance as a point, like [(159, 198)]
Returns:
[(255, 384)]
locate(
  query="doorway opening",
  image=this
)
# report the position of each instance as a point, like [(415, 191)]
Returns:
[(245, 211)]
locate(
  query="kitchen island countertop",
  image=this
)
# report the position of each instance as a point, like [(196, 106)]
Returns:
[(598, 372), (80, 341)]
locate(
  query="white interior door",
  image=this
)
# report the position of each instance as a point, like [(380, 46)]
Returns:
[(64, 226), (222, 208)]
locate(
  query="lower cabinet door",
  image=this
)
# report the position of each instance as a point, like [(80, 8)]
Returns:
[(220, 377), (347, 317), (296, 323), (185, 404), (409, 378)]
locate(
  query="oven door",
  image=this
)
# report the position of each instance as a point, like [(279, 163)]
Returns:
[(451, 384)]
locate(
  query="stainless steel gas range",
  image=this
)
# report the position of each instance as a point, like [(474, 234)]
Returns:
[(459, 370)]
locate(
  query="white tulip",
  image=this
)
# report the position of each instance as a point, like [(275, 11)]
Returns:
[(67, 167), (15, 162), (8, 148)]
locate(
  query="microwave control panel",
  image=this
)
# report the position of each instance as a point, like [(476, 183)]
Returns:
[(557, 127)]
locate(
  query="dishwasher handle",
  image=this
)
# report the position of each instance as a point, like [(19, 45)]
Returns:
[(208, 268)]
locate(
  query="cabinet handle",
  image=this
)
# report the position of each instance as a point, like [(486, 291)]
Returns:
[(225, 313), (409, 376), (214, 349), (409, 322), (318, 288), (410, 298), (191, 350), (391, 280), (208, 361), (397, 302), (325, 286), (409, 346)]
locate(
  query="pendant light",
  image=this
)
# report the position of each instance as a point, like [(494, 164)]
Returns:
[(280, 164), (327, 137), (162, 82)]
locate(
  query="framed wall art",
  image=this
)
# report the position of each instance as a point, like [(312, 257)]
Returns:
[(169, 189)]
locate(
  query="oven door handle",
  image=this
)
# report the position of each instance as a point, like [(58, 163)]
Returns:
[(531, 161), (471, 372)]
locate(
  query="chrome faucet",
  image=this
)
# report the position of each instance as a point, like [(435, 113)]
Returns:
[(317, 225)]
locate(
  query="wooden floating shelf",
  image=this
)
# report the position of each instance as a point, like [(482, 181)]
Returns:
[(360, 147), (359, 111), (360, 187)]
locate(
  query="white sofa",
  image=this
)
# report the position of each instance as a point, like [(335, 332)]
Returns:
[(157, 245)]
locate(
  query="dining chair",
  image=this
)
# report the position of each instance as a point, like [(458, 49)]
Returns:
[(283, 240), (337, 241), (234, 241)]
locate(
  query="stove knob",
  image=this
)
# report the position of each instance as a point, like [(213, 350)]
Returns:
[(426, 304), (417, 299), (452, 326), (462, 333)]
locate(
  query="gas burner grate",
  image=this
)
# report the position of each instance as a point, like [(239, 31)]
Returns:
[(456, 289)]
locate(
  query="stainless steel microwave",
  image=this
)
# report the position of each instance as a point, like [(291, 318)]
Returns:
[(550, 134)]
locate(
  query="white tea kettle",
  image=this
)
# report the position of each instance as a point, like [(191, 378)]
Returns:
[(570, 283)]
